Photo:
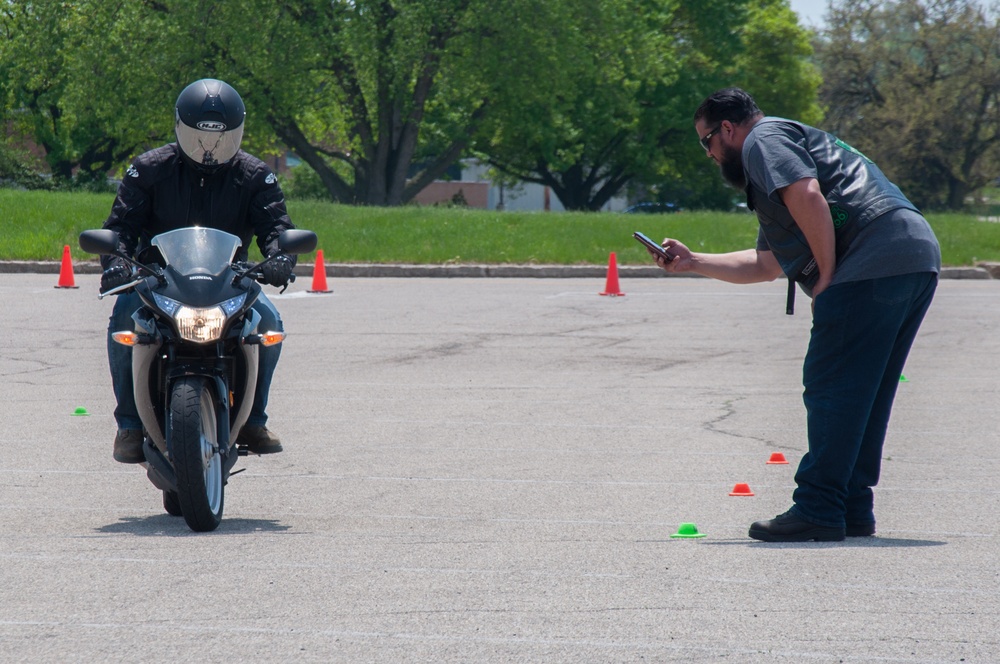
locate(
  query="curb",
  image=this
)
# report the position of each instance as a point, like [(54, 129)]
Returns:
[(373, 270), (350, 270)]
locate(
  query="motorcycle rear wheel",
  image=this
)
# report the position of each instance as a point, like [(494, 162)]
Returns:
[(194, 451)]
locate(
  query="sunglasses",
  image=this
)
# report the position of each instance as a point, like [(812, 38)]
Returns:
[(707, 137)]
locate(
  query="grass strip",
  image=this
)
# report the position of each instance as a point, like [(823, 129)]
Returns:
[(38, 224)]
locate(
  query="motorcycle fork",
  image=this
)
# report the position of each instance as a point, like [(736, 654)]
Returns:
[(218, 371)]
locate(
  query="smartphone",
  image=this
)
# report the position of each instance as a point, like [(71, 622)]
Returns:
[(655, 247)]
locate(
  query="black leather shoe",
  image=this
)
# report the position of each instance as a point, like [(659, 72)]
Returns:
[(788, 527), (860, 529), (128, 446), (258, 440)]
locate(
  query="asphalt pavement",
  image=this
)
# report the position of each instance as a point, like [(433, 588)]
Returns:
[(491, 470)]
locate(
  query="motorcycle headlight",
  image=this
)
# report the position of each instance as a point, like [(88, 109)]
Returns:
[(232, 305), (200, 325), (167, 305)]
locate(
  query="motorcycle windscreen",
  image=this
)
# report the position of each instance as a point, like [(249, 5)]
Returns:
[(197, 250)]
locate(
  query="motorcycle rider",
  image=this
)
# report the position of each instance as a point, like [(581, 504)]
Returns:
[(203, 179)]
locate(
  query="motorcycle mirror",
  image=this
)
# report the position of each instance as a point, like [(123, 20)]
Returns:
[(296, 241), (102, 241)]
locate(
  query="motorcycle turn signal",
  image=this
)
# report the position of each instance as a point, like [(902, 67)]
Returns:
[(126, 338), (265, 339)]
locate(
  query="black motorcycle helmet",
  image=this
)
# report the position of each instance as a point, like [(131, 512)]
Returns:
[(209, 123)]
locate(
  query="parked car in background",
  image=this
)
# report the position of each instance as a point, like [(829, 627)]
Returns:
[(652, 208)]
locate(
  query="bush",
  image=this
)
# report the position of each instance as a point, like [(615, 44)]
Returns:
[(16, 172), (303, 183)]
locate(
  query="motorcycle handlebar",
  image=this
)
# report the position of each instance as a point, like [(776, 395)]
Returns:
[(120, 289), (252, 270)]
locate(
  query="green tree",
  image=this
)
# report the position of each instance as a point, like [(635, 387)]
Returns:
[(915, 84), (586, 119), (83, 79), (378, 97), (628, 77), (774, 60)]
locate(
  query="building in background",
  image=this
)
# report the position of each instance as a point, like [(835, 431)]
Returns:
[(474, 187)]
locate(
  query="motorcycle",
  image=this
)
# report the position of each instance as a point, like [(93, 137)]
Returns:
[(194, 358)]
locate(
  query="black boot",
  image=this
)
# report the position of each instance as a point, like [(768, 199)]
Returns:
[(128, 446), (788, 527), (258, 440)]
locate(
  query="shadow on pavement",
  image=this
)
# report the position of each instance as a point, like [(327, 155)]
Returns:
[(164, 524), (851, 542)]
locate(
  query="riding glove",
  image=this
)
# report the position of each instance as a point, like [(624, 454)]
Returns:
[(117, 275), (277, 271)]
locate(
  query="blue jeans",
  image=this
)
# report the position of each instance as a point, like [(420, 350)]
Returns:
[(120, 360), (862, 332)]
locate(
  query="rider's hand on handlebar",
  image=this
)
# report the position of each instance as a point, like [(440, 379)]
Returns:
[(117, 275), (277, 271)]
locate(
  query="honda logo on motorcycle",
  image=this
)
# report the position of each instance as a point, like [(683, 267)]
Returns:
[(207, 125)]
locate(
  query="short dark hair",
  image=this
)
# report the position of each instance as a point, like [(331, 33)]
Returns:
[(731, 104)]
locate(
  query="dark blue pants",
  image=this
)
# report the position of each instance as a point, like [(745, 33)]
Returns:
[(862, 332), (120, 360)]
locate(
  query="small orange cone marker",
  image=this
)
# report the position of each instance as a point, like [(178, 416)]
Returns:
[(777, 457), (66, 271), (611, 285), (741, 489), (688, 531), (319, 275)]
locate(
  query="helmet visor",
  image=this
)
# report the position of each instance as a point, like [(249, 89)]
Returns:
[(208, 147)]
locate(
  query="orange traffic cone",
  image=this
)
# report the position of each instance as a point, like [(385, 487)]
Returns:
[(319, 275), (66, 271), (741, 489), (777, 457), (611, 285)]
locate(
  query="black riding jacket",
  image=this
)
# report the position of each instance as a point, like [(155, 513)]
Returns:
[(163, 192)]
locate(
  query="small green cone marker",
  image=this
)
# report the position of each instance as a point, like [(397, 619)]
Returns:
[(903, 379), (80, 410), (688, 531)]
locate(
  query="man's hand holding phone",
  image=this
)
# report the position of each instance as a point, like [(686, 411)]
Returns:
[(654, 248)]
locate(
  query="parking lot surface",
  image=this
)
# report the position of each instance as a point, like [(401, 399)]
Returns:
[(490, 470)]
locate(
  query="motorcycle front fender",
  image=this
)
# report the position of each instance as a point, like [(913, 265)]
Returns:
[(250, 356), (144, 357)]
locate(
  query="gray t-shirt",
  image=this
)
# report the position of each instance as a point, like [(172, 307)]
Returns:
[(897, 242)]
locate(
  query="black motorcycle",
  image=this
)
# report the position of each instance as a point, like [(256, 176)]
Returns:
[(194, 358)]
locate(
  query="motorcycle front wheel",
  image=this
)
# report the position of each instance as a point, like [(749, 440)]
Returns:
[(171, 504), (194, 451)]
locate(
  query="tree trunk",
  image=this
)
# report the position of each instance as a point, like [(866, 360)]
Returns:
[(957, 191), (293, 137)]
